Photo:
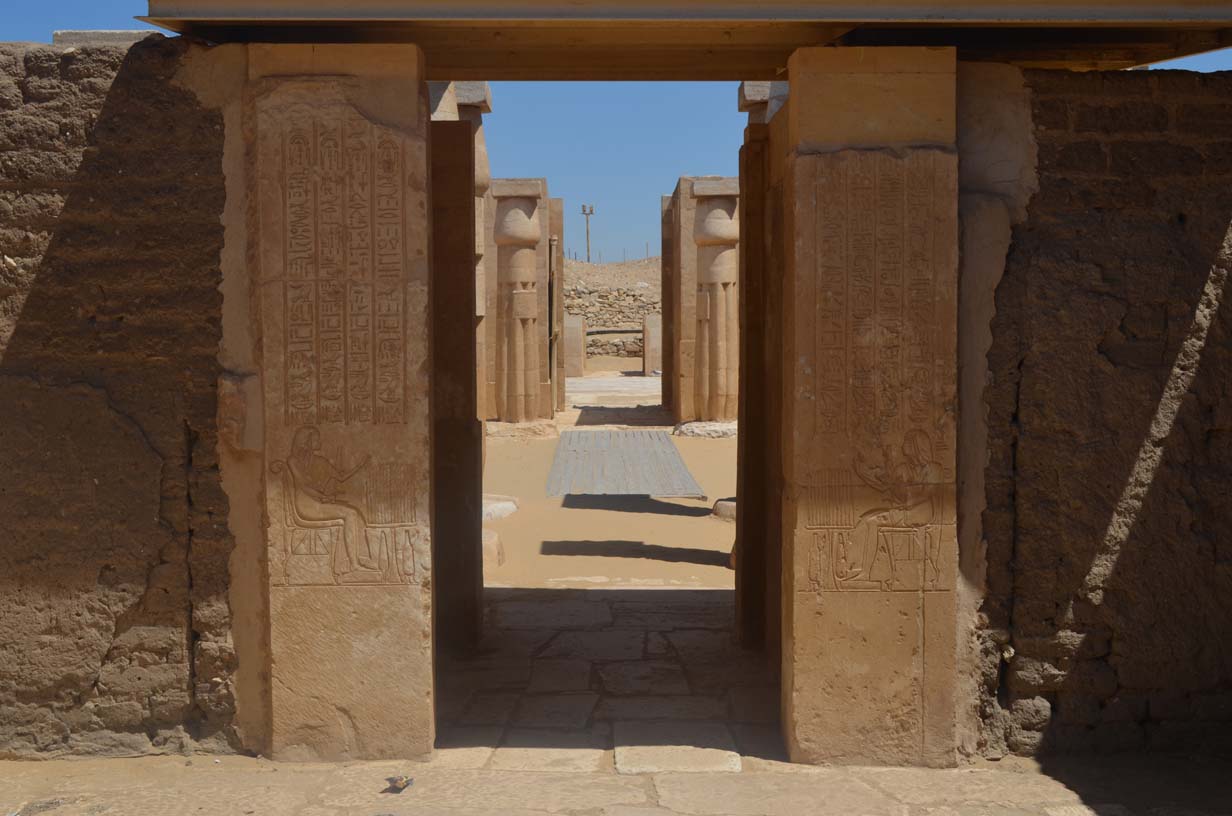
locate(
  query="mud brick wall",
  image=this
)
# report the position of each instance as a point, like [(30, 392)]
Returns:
[(114, 547), (1109, 520)]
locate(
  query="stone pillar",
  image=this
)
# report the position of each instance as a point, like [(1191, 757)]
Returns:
[(457, 434), (667, 260), (753, 476), (556, 258), (870, 319), (575, 345), (717, 343), (518, 236), (701, 324), (652, 344), (339, 255), (474, 99)]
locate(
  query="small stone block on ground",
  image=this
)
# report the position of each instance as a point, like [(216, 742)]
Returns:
[(675, 747)]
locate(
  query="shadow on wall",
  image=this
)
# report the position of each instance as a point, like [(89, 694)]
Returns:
[(1110, 519), (616, 548), (114, 553)]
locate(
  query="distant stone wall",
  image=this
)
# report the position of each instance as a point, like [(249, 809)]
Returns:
[(606, 307), (1109, 517), (614, 345), (113, 543)]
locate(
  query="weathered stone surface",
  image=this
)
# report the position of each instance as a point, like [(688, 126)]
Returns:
[(346, 400), (565, 674), (701, 321), (562, 614), (643, 677), (533, 749), (555, 710), (1107, 415), (870, 396), (607, 645), (114, 560), (674, 747)]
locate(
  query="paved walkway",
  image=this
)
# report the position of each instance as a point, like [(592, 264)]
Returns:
[(228, 786), (604, 681)]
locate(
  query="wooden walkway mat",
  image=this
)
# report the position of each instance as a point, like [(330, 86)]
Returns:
[(620, 463)]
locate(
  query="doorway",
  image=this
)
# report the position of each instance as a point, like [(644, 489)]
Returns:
[(608, 636)]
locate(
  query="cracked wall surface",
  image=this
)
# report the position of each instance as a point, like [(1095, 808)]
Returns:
[(114, 547), (1108, 524)]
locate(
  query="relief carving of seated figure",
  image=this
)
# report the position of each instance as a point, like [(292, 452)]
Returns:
[(322, 493)]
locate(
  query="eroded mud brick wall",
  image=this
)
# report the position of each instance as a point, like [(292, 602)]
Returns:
[(1109, 518), (114, 545)]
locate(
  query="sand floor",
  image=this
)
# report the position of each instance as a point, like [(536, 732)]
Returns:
[(610, 541)]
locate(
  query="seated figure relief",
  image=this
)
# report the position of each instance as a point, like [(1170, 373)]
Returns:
[(347, 525)]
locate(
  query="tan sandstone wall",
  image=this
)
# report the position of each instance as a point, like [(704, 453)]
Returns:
[(1109, 519), (114, 545)]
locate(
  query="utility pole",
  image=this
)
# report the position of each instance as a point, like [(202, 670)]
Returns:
[(588, 212)]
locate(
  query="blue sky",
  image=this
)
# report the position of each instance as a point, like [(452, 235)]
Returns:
[(616, 145)]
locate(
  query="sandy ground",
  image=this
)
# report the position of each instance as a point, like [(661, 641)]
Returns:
[(610, 541)]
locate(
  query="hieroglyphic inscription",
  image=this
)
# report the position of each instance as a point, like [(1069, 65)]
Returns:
[(345, 268), (880, 508)]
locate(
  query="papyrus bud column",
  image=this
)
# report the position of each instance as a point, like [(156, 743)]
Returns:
[(870, 335), (717, 235), (518, 234), (339, 258)]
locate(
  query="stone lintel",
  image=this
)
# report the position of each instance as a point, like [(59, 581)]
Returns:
[(474, 94), (712, 187), (519, 188)]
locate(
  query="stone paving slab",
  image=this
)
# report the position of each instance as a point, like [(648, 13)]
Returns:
[(231, 786), (659, 747)]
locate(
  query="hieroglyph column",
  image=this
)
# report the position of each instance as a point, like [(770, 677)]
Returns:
[(340, 249), (717, 234), (518, 233), (870, 382)]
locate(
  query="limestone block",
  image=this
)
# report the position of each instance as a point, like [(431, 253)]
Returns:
[(343, 306), (652, 345), (575, 346), (869, 516), (872, 97)]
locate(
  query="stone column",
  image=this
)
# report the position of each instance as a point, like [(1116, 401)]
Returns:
[(474, 99), (556, 257), (870, 319), (667, 260), (518, 236), (754, 479), (339, 255), (457, 435), (717, 338)]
